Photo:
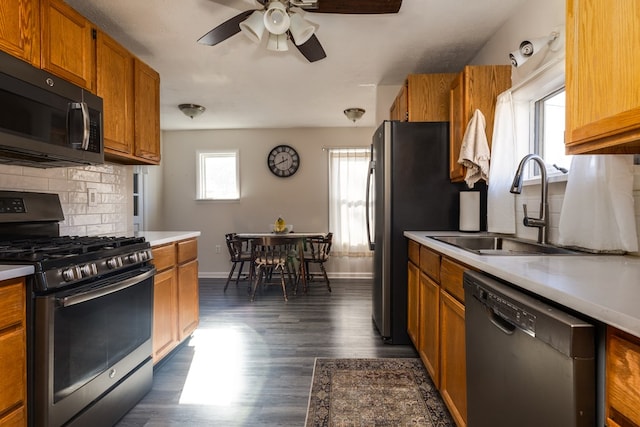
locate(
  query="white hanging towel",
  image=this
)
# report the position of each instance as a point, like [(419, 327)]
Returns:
[(598, 207), (501, 212), (474, 153)]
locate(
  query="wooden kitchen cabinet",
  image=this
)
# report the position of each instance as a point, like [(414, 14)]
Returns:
[(475, 88), (68, 45), (20, 29), (440, 321), (188, 293), (423, 98), (602, 77), (453, 369), (146, 113), (413, 302), (429, 338), (622, 379), (13, 353), (114, 84), (176, 296)]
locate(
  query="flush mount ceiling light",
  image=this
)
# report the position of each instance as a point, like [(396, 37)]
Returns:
[(191, 110), (354, 113)]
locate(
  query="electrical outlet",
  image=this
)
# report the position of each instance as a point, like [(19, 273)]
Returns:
[(92, 197), (218, 248)]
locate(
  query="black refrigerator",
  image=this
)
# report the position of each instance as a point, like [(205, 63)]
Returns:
[(408, 189)]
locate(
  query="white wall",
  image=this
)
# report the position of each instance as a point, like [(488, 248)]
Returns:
[(302, 199)]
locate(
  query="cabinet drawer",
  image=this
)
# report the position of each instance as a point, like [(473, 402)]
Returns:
[(414, 252), (430, 263), (164, 256), (187, 250), (12, 303), (451, 278), (623, 378)]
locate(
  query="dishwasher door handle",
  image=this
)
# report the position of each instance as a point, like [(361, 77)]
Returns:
[(500, 323)]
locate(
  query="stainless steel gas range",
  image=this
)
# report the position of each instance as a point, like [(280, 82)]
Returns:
[(89, 314)]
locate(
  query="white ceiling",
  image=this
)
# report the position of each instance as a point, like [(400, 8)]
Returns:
[(243, 85)]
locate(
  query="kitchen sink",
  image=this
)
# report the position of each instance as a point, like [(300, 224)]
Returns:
[(498, 245)]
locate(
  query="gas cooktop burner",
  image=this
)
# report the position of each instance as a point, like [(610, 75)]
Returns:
[(37, 250)]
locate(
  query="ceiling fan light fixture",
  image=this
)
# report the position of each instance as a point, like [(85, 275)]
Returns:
[(277, 43), (253, 26), (354, 113), (276, 18), (301, 29), (191, 110)]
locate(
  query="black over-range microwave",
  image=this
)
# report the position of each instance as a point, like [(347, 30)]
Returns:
[(46, 121)]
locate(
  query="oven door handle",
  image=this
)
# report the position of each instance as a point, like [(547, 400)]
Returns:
[(88, 295)]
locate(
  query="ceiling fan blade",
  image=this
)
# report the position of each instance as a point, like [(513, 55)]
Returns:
[(225, 30), (312, 49), (358, 6)]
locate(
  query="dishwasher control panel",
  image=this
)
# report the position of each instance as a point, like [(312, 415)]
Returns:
[(506, 309)]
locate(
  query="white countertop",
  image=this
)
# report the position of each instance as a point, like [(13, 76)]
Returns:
[(12, 271), (604, 287), (157, 238)]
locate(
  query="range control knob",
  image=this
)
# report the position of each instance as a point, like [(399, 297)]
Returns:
[(68, 275), (133, 258), (114, 262), (88, 270)]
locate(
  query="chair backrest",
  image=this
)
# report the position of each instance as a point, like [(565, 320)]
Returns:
[(237, 247), (272, 250), (320, 247)]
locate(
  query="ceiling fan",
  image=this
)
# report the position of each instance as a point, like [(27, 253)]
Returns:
[(282, 20)]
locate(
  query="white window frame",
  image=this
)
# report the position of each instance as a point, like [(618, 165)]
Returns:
[(547, 80), (201, 173)]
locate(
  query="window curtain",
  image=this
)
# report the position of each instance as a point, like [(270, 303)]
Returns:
[(348, 168), (598, 208)]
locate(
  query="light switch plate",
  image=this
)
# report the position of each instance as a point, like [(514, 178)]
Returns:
[(92, 197)]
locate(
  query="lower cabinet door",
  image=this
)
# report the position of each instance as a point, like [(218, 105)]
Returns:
[(429, 338), (165, 303), (188, 299), (453, 371)]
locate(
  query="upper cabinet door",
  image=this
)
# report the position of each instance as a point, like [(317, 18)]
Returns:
[(114, 84), (68, 47), (147, 112), (603, 77), (20, 29)]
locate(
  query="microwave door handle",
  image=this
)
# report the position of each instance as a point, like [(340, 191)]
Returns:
[(82, 106), (86, 124)]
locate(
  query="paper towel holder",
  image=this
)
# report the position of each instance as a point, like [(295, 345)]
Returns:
[(469, 220)]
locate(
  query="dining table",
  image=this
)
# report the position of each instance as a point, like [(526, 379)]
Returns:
[(297, 238)]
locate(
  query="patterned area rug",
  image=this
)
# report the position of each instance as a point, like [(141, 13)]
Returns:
[(374, 392)]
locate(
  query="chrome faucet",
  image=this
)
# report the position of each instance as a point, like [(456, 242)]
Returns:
[(516, 188)]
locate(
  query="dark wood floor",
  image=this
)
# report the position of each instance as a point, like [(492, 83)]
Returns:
[(251, 364)]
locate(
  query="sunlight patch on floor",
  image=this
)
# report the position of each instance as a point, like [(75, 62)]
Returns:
[(216, 373)]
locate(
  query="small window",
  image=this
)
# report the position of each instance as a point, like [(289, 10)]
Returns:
[(549, 132), (218, 175)]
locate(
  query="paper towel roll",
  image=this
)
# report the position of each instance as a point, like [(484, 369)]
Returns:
[(469, 211)]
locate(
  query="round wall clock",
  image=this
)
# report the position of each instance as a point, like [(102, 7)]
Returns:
[(283, 161)]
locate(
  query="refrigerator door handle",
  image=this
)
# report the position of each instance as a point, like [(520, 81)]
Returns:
[(372, 167)]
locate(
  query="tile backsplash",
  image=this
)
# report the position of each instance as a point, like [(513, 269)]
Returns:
[(109, 213)]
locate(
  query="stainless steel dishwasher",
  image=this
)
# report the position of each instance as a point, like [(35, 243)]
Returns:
[(528, 363)]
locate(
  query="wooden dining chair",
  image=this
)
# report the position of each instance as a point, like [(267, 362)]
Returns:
[(317, 253), (239, 253), (271, 254)]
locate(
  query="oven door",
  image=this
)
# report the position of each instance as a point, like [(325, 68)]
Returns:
[(89, 340)]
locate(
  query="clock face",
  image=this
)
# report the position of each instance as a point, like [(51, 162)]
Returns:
[(283, 161)]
